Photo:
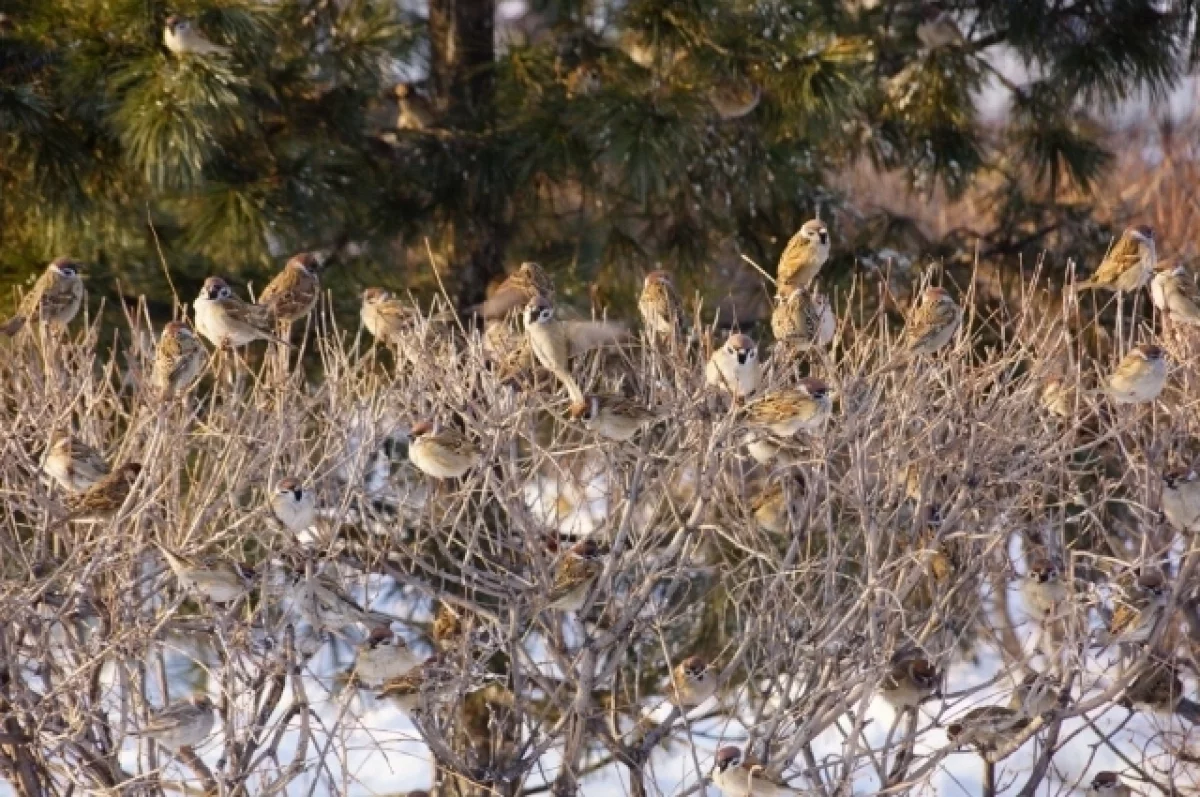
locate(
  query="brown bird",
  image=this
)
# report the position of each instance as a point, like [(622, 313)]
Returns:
[(1043, 587), (735, 97), (987, 727), (181, 725), (933, 323), (517, 290), (803, 319), (105, 497), (391, 321), (225, 320), (1129, 265), (415, 111), (178, 360), (383, 657), (436, 677), (612, 417), (1174, 292), (659, 305), (692, 682), (771, 508), (73, 463), (215, 579), (575, 574), (54, 299), (1038, 694), (295, 290), (803, 257), (743, 776), (786, 411), (735, 367), (1139, 377), (441, 453), (1108, 784), (1181, 499), (911, 681), (1157, 687)]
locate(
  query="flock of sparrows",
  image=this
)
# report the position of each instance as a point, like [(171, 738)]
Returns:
[(776, 409)]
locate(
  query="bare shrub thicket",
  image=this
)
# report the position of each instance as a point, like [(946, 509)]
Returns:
[(910, 524)]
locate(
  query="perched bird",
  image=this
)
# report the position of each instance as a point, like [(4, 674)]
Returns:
[(518, 289), (1058, 397), (735, 367), (555, 342), (293, 293), (912, 680), (987, 727), (437, 677), (1043, 587), (786, 411), (1129, 265), (692, 682), (178, 360), (324, 605), (934, 322), (54, 299), (803, 319), (583, 80), (73, 463), (416, 112), (771, 508), (803, 257), (294, 506), (1175, 294), (225, 320), (181, 725), (612, 417), (441, 453), (659, 305), (382, 657), (182, 38), (735, 97), (1108, 784), (937, 27), (1037, 694), (448, 626), (1181, 499), (575, 575), (1139, 377), (736, 776), (213, 579), (1157, 687), (1134, 620), (767, 449), (390, 321), (105, 497)]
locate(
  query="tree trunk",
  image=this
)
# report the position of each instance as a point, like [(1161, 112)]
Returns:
[(463, 56)]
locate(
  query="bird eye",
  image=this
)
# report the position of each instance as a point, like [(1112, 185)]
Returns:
[(751, 354)]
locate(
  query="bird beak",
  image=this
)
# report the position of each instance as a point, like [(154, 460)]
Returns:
[(824, 236), (741, 356)]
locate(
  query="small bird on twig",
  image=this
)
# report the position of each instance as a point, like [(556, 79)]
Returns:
[(54, 299), (1129, 265), (181, 725), (803, 257), (181, 37), (178, 360), (73, 463)]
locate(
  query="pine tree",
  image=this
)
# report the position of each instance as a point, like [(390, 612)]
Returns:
[(605, 140)]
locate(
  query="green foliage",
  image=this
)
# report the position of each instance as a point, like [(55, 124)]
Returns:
[(111, 147)]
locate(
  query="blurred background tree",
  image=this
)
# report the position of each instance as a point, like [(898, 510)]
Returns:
[(599, 139)]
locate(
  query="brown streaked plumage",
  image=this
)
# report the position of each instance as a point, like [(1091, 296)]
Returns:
[(178, 360), (574, 576), (441, 453), (73, 463), (293, 293), (105, 497), (225, 320), (693, 681), (1129, 265), (786, 411), (613, 417), (934, 322), (803, 257), (527, 282), (54, 299), (659, 305)]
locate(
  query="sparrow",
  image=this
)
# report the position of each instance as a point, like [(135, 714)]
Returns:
[(612, 417), (911, 681), (1139, 377), (692, 682), (933, 323), (734, 98), (803, 318), (736, 776), (216, 580), (1175, 294), (987, 727), (803, 257), (1043, 587), (178, 360), (574, 576), (441, 453), (382, 657), (225, 320), (54, 299), (1037, 694), (324, 605), (294, 506), (436, 676), (181, 725), (937, 28), (584, 80), (1058, 397), (1181, 499), (1108, 784), (105, 497), (735, 367), (447, 626), (73, 463), (770, 507), (293, 293), (389, 320), (518, 289), (555, 342), (766, 449), (182, 38), (1157, 687), (786, 411), (1129, 265), (659, 305), (1134, 620), (416, 112)]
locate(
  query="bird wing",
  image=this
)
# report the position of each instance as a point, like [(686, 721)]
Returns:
[(583, 336), (507, 298), (1124, 255)]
